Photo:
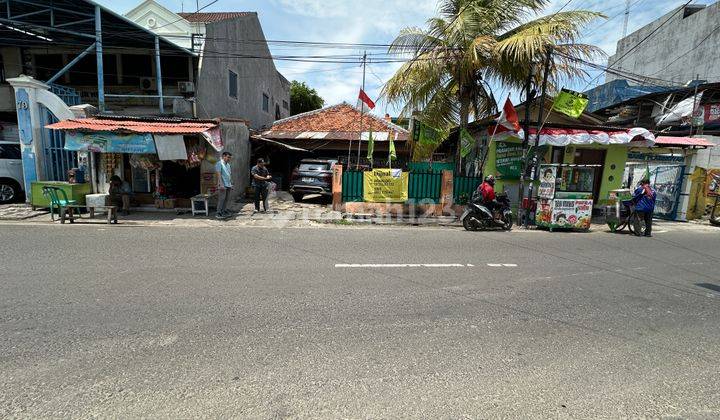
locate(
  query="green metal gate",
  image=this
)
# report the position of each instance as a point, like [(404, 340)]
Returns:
[(424, 186), (352, 186)]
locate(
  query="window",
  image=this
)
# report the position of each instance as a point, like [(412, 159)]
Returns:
[(285, 105), (10, 151), (266, 103), (278, 115), (232, 84)]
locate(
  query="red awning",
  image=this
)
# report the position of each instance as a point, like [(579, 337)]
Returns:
[(134, 126), (666, 141)]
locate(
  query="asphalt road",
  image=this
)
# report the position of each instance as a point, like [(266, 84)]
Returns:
[(266, 323)]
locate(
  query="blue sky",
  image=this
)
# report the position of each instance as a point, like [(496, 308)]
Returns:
[(379, 21)]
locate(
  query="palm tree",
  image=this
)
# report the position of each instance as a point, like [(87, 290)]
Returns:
[(474, 43)]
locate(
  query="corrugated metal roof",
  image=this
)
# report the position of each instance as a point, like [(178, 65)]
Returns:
[(134, 126), (683, 141), (212, 16)]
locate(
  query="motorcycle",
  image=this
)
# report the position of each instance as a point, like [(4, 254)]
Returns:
[(478, 217)]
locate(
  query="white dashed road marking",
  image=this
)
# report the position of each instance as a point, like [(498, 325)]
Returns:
[(402, 265), (502, 265)]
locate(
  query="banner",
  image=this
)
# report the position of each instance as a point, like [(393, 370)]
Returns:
[(712, 185), (467, 143), (508, 159), (548, 175), (103, 142), (570, 103), (385, 186)]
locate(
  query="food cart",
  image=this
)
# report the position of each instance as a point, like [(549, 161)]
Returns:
[(565, 197)]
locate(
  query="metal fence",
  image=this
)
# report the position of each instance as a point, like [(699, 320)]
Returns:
[(463, 187), (352, 186), (57, 160), (424, 186)]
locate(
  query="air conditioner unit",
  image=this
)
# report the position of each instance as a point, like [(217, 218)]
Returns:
[(148, 83), (186, 87)]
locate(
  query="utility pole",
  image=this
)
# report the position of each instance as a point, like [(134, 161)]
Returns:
[(541, 113), (529, 96), (627, 18), (695, 106), (362, 112)]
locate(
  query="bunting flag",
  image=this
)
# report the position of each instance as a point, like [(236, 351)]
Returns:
[(371, 146), (392, 154), (366, 99), (570, 103), (467, 142)]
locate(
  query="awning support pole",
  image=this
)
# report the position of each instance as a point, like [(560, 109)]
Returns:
[(158, 75), (99, 57), (70, 64)]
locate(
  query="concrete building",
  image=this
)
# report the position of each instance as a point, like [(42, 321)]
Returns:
[(235, 73), (675, 47)]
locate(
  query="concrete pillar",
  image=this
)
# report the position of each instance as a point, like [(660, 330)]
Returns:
[(337, 187), (446, 192)]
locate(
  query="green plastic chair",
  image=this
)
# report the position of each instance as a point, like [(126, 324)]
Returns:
[(53, 194)]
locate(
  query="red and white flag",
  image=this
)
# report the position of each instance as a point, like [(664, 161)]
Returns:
[(366, 99), (509, 117)]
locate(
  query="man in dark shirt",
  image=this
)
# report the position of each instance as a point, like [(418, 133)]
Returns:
[(260, 178)]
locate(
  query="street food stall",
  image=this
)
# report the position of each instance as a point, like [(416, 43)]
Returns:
[(565, 196), (166, 161)]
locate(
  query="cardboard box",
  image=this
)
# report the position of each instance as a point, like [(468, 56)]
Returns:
[(160, 204), (169, 203)]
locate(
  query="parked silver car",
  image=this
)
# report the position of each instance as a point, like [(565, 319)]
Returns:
[(312, 176), (11, 172)]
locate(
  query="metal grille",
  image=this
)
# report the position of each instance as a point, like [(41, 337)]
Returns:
[(57, 161)]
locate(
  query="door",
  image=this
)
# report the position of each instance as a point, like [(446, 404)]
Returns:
[(592, 157)]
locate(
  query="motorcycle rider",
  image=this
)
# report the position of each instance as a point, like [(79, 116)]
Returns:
[(487, 189)]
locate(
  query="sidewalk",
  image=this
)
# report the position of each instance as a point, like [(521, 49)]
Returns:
[(285, 213)]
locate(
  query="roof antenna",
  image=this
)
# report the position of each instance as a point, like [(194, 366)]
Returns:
[(182, 7), (627, 17)]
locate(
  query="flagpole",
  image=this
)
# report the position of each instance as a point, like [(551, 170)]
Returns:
[(362, 109), (492, 136)]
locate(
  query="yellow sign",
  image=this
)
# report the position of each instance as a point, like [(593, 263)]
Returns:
[(385, 186)]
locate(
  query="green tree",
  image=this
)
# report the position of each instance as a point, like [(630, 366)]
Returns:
[(303, 98), (475, 43)]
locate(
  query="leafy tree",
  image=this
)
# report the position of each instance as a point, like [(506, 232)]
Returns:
[(303, 98), (476, 43)]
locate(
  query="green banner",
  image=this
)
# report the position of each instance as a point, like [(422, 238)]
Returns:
[(508, 159), (570, 103), (467, 142)]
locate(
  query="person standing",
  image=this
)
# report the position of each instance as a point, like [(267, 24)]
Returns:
[(225, 185), (260, 179), (644, 199)]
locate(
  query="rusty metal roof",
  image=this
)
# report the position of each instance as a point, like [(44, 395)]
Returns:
[(147, 125), (212, 16)]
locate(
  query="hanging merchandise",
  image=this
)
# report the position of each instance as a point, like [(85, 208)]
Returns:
[(148, 162), (196, 153), (110, 161)]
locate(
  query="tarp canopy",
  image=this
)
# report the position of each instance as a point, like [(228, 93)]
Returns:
[(115, 130), (567, 136)]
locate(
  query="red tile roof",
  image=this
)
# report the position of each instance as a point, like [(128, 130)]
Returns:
[(337, 122), (682, 141), (212, 17), (159, 126)]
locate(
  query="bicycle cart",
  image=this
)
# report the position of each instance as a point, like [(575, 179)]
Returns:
[(622, 213)]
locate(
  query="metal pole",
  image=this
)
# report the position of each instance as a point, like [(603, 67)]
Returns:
[(70, 64), (695, 105), (362, 110), (158, 75), (526, 127), (533, 173), (627, 18), (99, 57)]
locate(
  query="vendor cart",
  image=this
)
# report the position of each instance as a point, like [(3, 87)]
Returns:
[(565, 198)]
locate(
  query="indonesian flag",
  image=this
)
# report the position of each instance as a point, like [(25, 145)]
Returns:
[(366, 99), (509, 117)]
